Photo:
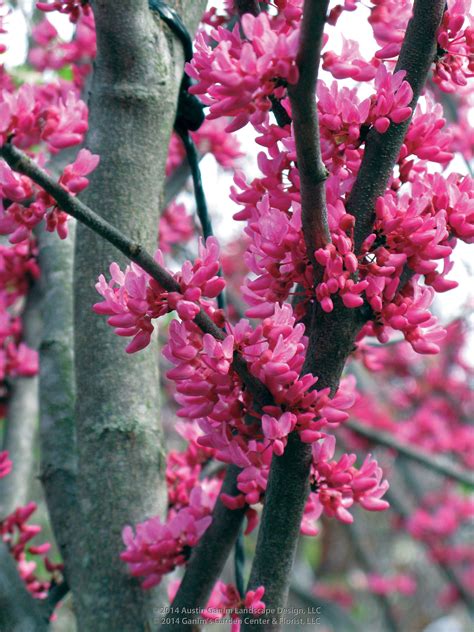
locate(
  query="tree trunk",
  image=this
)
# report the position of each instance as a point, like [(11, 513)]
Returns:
[(120, 447)]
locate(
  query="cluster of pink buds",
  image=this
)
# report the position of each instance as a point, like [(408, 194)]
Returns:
[(237, 77), (441, 516), (176, 227), (337, 485), (17, 534), (349, 63), (32, 115), (434, 399), (157, 548), (133, 299), (19, 219), (18, 269), (51, 53), (389, 584), (5, 464), (73, 8), (392, 102), (428, 138), (225, 602), (389, 19), (455, 59), (185, 468)]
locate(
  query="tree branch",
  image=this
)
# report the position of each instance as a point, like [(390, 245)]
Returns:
[(430, 461), (331, 340), (247, 6), (56, 593), (382, 150), (445, 569), (121, 452), (304, 112), (209, 556), (134, 251), (368, 565), (225, 521), (22, 419), (57, 389)]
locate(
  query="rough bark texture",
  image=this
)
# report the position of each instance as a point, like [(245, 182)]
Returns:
[(121, 456)]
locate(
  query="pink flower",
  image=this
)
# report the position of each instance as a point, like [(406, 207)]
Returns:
[(384, 585), (389, 19), (73, 177), (225, 600), (349, 63), (176, 227), (427, 137), (277, 430), (455, 60), (50, 114), (19, 220), (5, 464), (392, 101), (17, 534), (237, 77), (156, 548), (336, 485), (65, 124), (133, 299), (74, 8)]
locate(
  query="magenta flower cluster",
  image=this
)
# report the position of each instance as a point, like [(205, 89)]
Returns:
[(241, 75)]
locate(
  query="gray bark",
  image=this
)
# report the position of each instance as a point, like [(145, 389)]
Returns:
[(120, 448), (57, 396), (22, 420)]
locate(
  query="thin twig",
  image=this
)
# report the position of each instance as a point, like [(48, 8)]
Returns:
[(312, 171), (201, 204), (430, 461), (448, 572), (21, 163), (247, 6), (368, 566), (199, 195), (209, 556), (176, 181)]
